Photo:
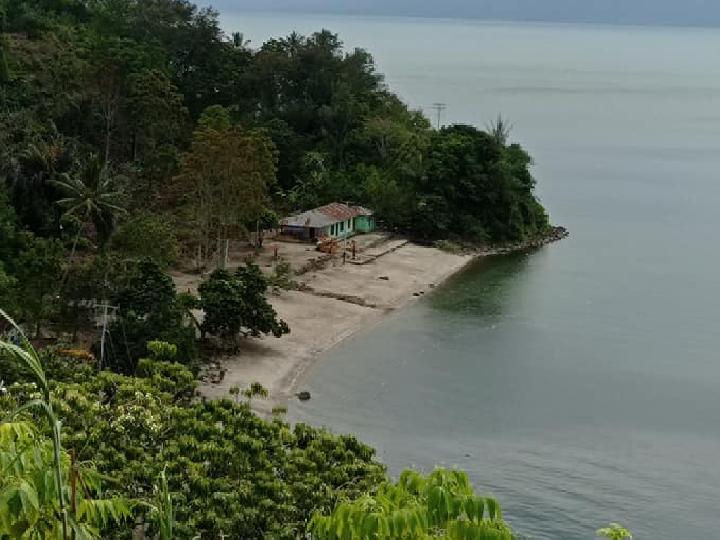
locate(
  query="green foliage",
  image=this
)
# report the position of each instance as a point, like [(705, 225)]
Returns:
[(147, 107), (235, 303), (282, 276), (269, 219), (614, 531), (147, 236), (227, 174), (38, 480), (162, 511), (215, 118), (226, 469), (167, 376), (255, 390), (165, 352), (499, 130), (157, 111), (37, 269), (448, 246), (148, 310), (25, 355), (442, 505), (92, 194), (28, 493), (477, 189)]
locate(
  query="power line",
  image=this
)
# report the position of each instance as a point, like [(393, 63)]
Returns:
[(439, 108)]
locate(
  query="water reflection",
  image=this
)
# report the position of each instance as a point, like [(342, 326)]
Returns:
[(484, 288)]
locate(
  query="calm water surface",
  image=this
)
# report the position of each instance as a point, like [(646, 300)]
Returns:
[(581, 383)]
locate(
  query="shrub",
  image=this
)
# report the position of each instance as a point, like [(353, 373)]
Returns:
[(148, 236), (448, 246)]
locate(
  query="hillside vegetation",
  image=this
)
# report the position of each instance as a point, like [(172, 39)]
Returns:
[(136, 136)]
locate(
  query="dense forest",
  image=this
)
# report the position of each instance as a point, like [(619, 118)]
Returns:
[(135, 136), (137, 131)]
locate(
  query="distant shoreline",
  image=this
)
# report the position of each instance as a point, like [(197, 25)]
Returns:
[(335, 303), (227, 14)]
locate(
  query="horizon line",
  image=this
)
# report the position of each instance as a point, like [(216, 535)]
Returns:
[(467, 19)]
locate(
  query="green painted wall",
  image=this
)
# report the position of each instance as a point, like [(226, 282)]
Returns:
[(365, 224), (342, 228), (361, 224)]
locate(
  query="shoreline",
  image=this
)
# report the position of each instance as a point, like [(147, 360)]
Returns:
[(332, 303)]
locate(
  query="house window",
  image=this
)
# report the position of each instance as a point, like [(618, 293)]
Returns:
[(342, 226), (332, 230)]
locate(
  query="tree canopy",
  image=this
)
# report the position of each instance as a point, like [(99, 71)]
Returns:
[(170, 103), (227, 470)]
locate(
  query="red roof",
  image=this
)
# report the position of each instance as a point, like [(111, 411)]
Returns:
[(342, 212), (325, 216)]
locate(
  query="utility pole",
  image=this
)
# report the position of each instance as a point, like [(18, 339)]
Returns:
[(439, 108), (345, 247), (105, 308)]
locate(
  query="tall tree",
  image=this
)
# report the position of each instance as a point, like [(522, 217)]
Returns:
[(235, 304), (228, 172), (477, 189), (156, 109), (38, 270)]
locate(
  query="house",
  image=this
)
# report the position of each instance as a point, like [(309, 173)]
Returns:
[(334, 220)]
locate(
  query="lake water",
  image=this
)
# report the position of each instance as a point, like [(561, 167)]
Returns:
[(579, 384)]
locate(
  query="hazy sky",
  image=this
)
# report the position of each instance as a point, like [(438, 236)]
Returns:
[(675, 12)]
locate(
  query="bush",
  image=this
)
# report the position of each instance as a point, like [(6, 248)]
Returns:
[(228, 470), (147, 236), (448, 246), (235, 303), (148, 309), (442, 505), (282, 277)]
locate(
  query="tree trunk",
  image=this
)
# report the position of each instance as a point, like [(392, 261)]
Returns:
[(218, 254), (107, 136), (198, 257), (134, 145)]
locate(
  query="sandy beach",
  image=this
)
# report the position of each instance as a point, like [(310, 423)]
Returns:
[(336, 301), (333, 301)]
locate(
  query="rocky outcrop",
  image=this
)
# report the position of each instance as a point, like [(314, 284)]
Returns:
[(555, 234)]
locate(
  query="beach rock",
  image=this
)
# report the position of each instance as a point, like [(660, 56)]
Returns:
[(303, 396), (385, 278), (416, 294)]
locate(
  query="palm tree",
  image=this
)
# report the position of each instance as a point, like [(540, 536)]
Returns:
[(239, 41), (92, 196), (500, 130), (42, 161)]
